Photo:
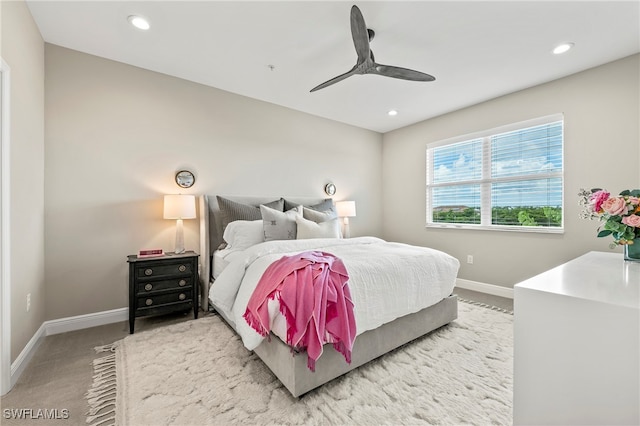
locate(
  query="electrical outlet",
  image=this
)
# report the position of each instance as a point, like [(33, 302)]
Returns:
[(28, 302), (470, 259)]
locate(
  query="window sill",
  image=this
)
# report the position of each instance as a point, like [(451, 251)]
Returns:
[(525, 229)]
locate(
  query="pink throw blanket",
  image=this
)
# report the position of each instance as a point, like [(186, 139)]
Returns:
[(314, 296)]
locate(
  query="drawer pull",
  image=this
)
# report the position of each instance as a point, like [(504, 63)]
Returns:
[(182, 268), (182, 296), (148, 271), (148, 287), (182, 283), (149, 302)]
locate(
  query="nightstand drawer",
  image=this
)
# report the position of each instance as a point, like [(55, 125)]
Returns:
[(145, 287), (163, 299), (159, 270)]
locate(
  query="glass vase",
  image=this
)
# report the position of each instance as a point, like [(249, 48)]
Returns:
[(632, 251)]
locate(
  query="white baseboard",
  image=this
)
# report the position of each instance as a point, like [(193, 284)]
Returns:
[(494, 290), (63, 325), (81, 322), (21, 362)]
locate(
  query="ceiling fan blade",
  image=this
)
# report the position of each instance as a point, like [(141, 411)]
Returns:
[(401, 73), (359, 34), (335, 79)]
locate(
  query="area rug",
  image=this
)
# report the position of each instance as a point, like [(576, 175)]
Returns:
[(198, 373)]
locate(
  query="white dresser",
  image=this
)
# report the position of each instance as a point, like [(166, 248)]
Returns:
[(577, 344)]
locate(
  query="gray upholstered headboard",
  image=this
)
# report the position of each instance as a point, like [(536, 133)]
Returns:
[(211, 229)]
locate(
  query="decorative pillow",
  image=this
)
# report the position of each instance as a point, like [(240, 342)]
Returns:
[(324, 205), (242, 234), (279, 225), (308, 229), (319, 216), (231, 210)]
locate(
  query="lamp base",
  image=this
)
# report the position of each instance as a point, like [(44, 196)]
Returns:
[(179, 237), (346, 233)]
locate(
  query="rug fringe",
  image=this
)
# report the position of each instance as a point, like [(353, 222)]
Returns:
[(484, 305), (101, 397), (106, 348)]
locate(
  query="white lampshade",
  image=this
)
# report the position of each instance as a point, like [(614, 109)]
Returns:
[(179, 206), (346, 208)]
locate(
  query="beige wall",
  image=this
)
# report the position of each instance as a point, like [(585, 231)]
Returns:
[(602, 145), (116, 135), (23, 51)]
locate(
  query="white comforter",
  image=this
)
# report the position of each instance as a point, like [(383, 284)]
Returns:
[(387, 280)]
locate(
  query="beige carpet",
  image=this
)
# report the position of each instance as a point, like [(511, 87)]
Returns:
[(198, 373)]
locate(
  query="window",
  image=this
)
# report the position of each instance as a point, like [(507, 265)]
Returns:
[(510, 178)]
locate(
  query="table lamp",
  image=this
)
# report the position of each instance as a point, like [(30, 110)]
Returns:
[(346, 209)]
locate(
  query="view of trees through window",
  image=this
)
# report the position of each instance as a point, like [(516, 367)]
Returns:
[(519, 216)]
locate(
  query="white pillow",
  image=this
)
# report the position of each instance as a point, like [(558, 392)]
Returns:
[(309, 229), (242, 234), (279, 225)]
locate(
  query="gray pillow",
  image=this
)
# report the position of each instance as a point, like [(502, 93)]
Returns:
[(325, 204), (231, 210), (321, 212), (319, 216), (279, 225)]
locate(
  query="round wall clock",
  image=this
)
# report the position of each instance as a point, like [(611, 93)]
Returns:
[(185, 179)]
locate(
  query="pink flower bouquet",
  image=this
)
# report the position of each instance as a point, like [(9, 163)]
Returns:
[(620, 214)]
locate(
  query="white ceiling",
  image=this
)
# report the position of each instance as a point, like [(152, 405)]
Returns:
[(477, 50)]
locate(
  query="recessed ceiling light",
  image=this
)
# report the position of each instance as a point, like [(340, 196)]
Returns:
[(139, 22), (392, 112), (562, 48)]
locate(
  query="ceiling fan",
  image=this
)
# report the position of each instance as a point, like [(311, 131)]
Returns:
[(366, 63)]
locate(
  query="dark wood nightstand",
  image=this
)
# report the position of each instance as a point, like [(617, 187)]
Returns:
[(163, 284)]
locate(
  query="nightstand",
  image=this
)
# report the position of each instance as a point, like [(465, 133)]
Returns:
[(163, 284)]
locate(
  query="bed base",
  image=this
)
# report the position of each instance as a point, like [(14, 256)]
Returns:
[(292, 370)]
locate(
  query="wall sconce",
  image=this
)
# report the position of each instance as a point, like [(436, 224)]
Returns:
[(179, 207), (346, 209), (330, 189)]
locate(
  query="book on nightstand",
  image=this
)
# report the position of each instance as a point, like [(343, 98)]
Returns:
[(150, 253)]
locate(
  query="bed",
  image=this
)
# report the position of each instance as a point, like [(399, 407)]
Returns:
[(385, 321)]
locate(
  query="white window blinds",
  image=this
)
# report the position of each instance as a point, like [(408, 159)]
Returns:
[(508, 178)]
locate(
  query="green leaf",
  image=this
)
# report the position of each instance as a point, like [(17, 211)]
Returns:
[(628, 234), (604, 233)]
